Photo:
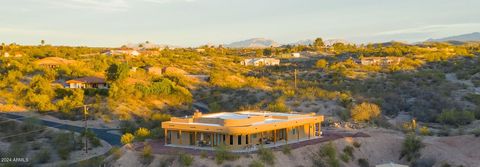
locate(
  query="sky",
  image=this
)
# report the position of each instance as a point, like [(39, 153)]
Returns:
[(112, 23)]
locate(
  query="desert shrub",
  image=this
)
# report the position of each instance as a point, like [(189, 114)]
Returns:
[(128, 126), (127, 138), (344, 115), (256, 163), (116, 152), (476, 132), (363, 163), (203, 154), (63, 144), (42, 156), (186, 159), (286, 149), (365, 112), (446, 165), (326, 155), (456, 117), (35, 145), (345, 158), (322, 63), (147, 154), (411, 147), (266, 155), (348, 150), (92, 138), (425, 131), (278, 106), (142, 133), (423, 162), (222, 154), (356, 144), (17, 150), (445, 131)]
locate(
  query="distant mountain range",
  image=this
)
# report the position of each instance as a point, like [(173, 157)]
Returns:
[(265, 43), (461, 38), (253, 43), (149, 45), (328, 42)]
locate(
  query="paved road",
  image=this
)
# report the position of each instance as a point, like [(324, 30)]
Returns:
[(113, 139)]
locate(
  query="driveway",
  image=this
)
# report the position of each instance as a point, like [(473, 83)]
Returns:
[(112, 139)]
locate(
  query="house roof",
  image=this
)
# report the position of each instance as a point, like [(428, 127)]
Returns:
[(241, 122), (89, 79)]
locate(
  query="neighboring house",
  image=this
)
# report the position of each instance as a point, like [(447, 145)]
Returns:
[(53, 62), (381, 60), (260, 62), (130, 52), (16, 54), (88, 82), (241, 131), (295, 54)]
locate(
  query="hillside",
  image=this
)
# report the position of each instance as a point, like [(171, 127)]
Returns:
[(462, 38)]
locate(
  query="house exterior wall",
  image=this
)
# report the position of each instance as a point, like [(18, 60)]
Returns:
[(292, 134)]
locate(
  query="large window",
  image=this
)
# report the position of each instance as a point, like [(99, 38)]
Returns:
[(239, 140), (231, 139), (246, 139)]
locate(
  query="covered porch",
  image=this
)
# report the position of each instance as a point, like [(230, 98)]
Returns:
[(243, 141)]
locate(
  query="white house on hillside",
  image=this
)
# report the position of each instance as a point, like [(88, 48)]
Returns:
[(260, 62), (295, 54)]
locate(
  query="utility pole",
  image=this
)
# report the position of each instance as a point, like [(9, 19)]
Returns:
[(295, 76), (85, 133)]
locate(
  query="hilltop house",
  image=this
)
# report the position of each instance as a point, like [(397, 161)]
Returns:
[(260, 62), (88, 82), (381, 60), (295, 54), (241, 130), (130, 52), (53, 62)]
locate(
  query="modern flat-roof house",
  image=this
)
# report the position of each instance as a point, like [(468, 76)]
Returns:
[(260, 62), (88, 82), (130, 52), (243, 130)]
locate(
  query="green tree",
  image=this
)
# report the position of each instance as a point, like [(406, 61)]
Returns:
[(72, 101), (116, 72), (42, 42), (267, 52), (318, 44), (365, 112)]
